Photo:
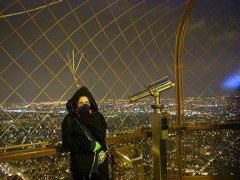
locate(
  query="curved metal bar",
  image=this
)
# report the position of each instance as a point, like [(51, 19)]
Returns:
[(178, 75), (31, 10), (178, 59)]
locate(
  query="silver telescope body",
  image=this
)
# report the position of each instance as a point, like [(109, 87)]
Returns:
[(157, 86)]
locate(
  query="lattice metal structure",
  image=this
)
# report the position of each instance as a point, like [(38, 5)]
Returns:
[(214, 151), (120, 54), (212, 45), (127, 162), (212, 42), (114, 47)]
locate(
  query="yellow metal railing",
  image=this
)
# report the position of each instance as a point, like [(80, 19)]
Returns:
[(123, 156), (122, 45)]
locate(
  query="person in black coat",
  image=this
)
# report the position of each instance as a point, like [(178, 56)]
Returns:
[(83, 135)]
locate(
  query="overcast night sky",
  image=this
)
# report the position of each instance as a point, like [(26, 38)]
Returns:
[(125, 44)]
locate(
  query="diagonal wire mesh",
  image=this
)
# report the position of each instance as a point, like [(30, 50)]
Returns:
[(100, 64), (120, 56), (211, 43), (122, 45)]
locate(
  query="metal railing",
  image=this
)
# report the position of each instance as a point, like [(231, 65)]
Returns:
[(122, 150)]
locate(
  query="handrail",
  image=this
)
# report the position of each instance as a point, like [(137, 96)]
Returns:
[(42, 144), (137, 136), (51, 150), (206, 127)]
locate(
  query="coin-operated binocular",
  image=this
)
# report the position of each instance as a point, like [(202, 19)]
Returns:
[(159, 125), (153, 89)]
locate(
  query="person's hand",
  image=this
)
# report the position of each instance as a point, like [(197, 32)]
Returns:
[(97, 147)]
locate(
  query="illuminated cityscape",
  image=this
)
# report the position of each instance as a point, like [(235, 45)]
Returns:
[(50, 48), (217, 152)]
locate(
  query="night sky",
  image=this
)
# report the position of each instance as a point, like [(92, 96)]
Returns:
[(125, 45)]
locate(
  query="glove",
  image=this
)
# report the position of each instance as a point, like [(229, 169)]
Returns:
[(97, 147)]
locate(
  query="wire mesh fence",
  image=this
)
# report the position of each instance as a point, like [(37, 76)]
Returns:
[(115, 48), (117, 43)]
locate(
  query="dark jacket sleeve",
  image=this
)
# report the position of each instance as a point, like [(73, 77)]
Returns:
[(71, 141)]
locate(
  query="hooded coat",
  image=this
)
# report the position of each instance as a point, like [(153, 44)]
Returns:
[(74, 138)]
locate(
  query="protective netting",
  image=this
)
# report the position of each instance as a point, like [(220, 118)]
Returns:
[(119, 44), (114, 47), (211, 62), (215, 155)]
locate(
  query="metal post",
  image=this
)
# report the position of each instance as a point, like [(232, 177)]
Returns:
[(158, 144), (158, 137), (179, 80)]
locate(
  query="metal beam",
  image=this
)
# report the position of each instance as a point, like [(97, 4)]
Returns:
[(179, 79), (52, 150)]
